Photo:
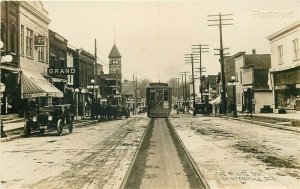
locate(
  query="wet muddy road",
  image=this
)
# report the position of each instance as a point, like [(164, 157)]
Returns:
[(94, 156)]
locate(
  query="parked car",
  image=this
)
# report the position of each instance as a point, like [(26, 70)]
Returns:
[(55, 117)]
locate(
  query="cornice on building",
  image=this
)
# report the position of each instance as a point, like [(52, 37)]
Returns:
[(285, 30), (35, 12)]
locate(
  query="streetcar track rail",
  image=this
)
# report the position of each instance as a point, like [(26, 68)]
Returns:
[(135, 156), (190, 167), (187, 154)]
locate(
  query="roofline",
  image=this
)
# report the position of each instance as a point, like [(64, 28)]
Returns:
[(284, 30), (239, 54)]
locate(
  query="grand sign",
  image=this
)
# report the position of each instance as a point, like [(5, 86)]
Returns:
[(61, 71)]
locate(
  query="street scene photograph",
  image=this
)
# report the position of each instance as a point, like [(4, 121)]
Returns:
[(150, 94)]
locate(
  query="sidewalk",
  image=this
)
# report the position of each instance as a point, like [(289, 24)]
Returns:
[(290, 121)]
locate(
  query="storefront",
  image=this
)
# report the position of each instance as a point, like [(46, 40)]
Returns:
[(287, 89), (35, 87)]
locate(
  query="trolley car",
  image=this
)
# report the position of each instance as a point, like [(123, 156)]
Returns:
[(159, 100)]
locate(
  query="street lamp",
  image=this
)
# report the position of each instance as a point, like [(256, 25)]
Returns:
[(93, 100), (3, 59), (206, 94), (83, 102), (233, 83), (76, 92)]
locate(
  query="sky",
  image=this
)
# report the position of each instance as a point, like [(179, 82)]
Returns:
[(154, 36)]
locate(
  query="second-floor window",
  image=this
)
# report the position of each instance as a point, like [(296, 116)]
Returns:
[(52, 61), (29, 43), (296, 49), (41, 54), (13, 38), (280, 55), (22, 39)]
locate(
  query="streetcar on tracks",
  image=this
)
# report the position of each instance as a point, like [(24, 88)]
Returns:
[(159, 100)]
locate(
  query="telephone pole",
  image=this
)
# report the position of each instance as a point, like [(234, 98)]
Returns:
[(199, 49), (218, 21), (190, 58), (184, 88), (96, 67)]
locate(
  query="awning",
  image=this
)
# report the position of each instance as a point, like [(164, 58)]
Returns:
[(216, 100), (35, 85)]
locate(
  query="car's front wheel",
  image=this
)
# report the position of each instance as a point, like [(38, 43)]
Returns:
[(27, 129), (59, 127)]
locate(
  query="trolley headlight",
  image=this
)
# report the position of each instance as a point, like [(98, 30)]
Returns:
[(34, 119), (50, 118)]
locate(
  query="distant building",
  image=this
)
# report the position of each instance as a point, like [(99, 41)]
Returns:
[(285, 69), (58, 62), (251, 73), (114, 77)]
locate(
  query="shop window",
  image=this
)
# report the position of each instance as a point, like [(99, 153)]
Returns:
[(296, 49), (280, 55)]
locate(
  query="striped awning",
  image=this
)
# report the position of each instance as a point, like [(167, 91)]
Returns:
[(35, 85)]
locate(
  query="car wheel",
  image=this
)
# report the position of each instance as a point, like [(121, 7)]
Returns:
[(27, 129), (59, 127), (71, 126), (42, 132)]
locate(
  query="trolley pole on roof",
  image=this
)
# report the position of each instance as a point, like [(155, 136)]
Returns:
[(190, 58), (218, 22), (199, 49)]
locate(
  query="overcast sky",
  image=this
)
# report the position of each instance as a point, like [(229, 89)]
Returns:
[(153, 36)]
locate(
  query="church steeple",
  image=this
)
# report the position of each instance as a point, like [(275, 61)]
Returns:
[(114, 53), (115, 61)]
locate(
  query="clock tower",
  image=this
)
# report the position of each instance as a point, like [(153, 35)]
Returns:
[(115, 66)]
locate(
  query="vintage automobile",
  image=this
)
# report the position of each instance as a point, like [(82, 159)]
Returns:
[(115, 108), (202, 108), (51, 118)]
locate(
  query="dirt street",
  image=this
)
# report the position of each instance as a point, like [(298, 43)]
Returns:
[(95, 156), (233, 154)]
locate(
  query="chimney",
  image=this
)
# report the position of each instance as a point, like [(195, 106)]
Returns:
[(253, 51)]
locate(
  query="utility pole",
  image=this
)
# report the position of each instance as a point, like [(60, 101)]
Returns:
[(96, 67), (184, 88), (218, 22), (199, 49), (190, 58), (178, 92)]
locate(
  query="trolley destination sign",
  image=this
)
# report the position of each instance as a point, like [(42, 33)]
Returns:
[(61, 71)]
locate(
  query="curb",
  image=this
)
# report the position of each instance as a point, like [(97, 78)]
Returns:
[(12, 137), (277, 126)]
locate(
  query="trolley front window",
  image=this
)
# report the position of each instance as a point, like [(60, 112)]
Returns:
[(166, 95), (152, 95), (159, 95)]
